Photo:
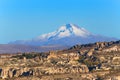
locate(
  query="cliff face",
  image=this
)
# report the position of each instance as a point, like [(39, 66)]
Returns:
[(38, 71), (52, 64)]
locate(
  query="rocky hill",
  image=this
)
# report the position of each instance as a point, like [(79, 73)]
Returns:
[(96, 61)]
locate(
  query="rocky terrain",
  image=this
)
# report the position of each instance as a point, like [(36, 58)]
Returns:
[(96, 61)]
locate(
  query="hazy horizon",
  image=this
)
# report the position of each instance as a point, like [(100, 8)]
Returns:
[(26, 19)]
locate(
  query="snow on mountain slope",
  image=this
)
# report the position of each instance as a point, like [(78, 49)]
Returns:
[(67, 35), (66, 31)]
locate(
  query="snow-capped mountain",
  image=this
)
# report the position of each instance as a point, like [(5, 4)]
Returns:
[(67, 35), (66, 31)]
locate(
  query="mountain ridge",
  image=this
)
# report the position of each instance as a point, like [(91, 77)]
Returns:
[(65, 31), (66, 35)]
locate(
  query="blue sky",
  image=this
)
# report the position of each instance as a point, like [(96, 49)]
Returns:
[(26, 19)]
